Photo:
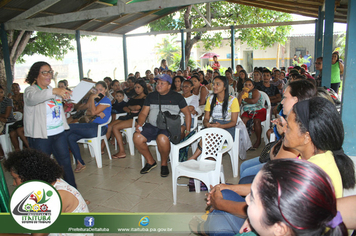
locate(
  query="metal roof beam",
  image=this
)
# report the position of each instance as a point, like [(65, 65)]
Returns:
[(121, 8), (35, 9), (67, 31), (226, 27)]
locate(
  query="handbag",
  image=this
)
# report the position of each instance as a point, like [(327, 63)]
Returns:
[(265, 154), (172, 123)]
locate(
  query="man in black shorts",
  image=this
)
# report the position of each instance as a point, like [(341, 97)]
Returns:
[(170, 101)]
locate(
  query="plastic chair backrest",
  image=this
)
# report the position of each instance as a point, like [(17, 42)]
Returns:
[(101, 125), (213, 140)]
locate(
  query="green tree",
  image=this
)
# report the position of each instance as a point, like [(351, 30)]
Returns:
[(175, 65), (226, 14), (166, 49), (341, 42), (28, 43)]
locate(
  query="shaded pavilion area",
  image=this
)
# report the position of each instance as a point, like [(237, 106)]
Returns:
[(118, 18)]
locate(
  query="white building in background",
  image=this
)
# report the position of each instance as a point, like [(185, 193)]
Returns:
[(250, 58)]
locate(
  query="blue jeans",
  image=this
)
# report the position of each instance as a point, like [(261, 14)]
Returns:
[(56, 144), (221, 222), (247, 180), (79, 131), (250, 167), (231, 130)]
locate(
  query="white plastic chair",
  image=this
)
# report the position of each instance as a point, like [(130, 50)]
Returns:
[(128, 132), (235, 152), (208, 171), (129, 136), (5, 140), (267, 123), (151, 143), (95, 145)]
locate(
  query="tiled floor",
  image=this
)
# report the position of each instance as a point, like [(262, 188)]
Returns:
[(119, 186)]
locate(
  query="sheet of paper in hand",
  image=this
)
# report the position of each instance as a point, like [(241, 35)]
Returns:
[(80, 90)]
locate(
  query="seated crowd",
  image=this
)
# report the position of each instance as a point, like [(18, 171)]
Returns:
[(308, 130)]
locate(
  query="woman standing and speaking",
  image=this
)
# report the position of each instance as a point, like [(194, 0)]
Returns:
[(44, 119)]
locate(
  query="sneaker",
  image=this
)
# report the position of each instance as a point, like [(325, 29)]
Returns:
[(164, 171), (148, 168)]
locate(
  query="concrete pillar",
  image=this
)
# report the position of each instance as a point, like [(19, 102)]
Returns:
[(183, 50), (232, 48), (348, 111), (328, 42), (126, 71), (79, 53)]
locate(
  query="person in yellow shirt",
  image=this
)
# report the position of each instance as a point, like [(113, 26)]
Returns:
[(222, 108)]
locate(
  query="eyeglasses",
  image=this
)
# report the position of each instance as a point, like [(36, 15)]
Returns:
[(45, 73)]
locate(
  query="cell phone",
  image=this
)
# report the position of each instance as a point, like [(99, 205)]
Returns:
[(279, 117), (99, 98)]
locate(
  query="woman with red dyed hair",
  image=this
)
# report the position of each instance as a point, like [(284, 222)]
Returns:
[(293, 197)]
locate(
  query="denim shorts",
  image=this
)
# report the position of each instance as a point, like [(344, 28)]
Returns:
[(151, 132)]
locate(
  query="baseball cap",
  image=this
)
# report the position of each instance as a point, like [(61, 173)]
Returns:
[(164, 77)]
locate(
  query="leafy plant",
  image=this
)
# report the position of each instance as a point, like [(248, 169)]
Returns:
[(166, 49), (226, 14), (176, 62)]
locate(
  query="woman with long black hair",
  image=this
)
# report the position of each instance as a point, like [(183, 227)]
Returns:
[(222, 108)]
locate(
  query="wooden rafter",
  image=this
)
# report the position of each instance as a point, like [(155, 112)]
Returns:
[(276, 8), (136, 19), (107, 23), (279, 7), (23, 10)]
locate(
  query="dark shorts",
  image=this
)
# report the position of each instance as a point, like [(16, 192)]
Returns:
[(151, 132), (16, 125), (260, 114)]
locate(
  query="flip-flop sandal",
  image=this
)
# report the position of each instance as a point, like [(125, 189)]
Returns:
[(196, 225), (118, 157), (79, 169)]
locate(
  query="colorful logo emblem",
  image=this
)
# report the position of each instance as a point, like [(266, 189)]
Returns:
[(35, 205), (89, 221), (144, 221)]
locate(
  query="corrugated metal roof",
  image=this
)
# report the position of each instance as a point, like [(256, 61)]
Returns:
[(92, 17)]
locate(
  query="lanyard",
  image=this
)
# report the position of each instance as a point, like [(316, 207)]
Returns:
[(54, 100)]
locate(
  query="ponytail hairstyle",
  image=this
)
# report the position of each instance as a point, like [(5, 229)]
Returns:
[(103, 83), (299, 194), (226, 97), (319, 117)]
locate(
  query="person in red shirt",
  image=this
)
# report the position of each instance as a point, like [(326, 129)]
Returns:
[(216, 64)]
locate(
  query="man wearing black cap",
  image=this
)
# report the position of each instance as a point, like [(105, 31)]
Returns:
[(170, 101)]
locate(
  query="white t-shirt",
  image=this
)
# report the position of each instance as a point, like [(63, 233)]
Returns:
[(193, 101), (54, 117)]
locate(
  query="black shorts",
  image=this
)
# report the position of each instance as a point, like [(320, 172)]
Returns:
[(151, 132)]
